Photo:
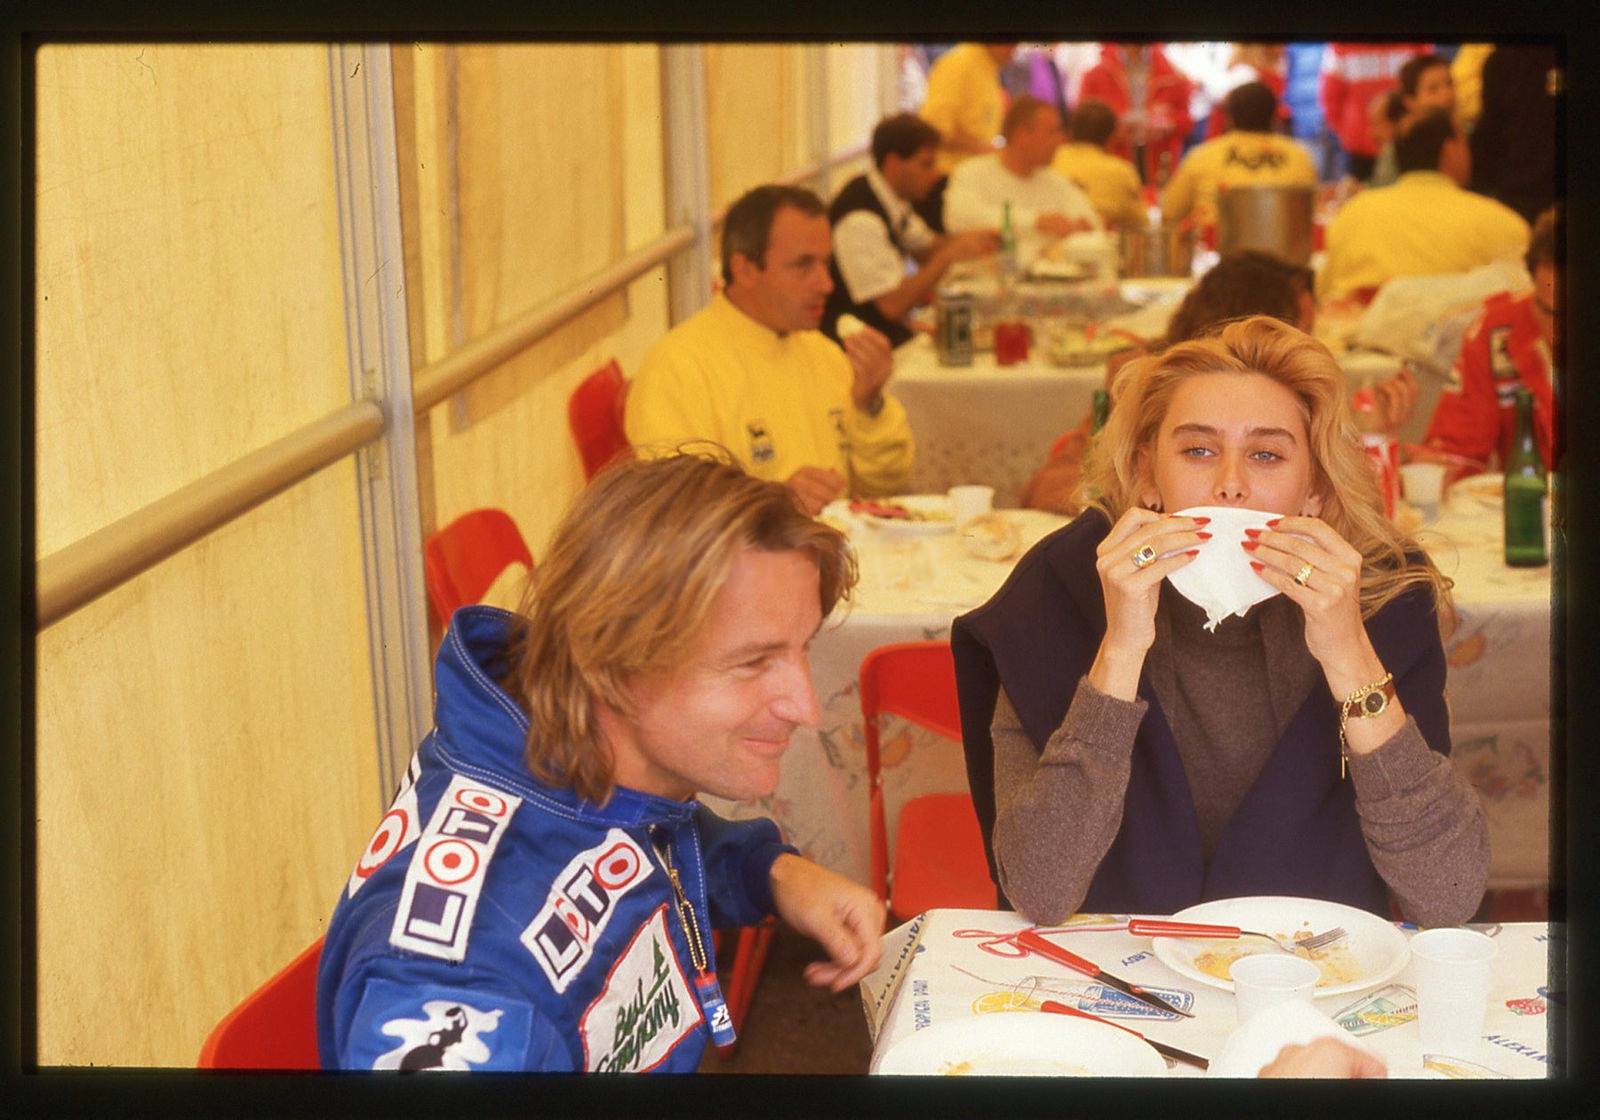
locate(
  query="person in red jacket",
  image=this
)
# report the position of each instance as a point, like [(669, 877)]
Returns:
[(1150, 97), (1509, 347), (1352, 75)]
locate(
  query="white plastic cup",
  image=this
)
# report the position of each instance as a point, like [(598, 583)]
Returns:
[(1423, 485), (967, 502), (1454, 968), (1263, 980)]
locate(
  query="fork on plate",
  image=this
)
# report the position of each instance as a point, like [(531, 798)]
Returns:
[(1147, 927)]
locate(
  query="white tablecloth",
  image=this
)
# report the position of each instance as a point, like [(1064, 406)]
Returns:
[(912, 587), (986, 423), (929, 975)]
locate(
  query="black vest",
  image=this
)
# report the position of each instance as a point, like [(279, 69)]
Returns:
[(858, 194)]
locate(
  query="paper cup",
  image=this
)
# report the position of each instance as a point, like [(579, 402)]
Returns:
[(1423, 484), (1264, 980), (1454, 968), (967, 502)]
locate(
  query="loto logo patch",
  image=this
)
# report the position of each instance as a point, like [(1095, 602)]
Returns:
[(447, 870), (398, 828), (644, 1009), (446, 1038), (582, 899)]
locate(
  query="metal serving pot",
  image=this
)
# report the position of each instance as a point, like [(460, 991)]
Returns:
[(1167, 250), (1278, 220)]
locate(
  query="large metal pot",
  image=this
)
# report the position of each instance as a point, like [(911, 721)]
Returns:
[(1276, 219), (1167, 250)]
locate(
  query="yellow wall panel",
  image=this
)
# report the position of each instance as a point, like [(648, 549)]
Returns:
[(854, 100), (207, 775), (540, 204), (755, 122), (206, 756), (188, 279)]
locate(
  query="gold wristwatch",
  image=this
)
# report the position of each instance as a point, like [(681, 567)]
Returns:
[(1366, 701)]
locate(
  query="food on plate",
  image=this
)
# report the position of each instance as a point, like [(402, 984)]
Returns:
[(991, 537), (1073, 345), (1335, 962), (848, 325), (1046, 269), (894, 511)]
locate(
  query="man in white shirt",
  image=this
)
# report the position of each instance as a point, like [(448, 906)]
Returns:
[(1045, 205), (875, 231)]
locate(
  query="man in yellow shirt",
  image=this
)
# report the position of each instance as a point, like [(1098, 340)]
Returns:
[(1249, 154), (1111, 182), (751, 371), (966, 103), (1425, 223)]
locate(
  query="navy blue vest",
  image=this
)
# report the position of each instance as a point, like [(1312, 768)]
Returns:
[(855, 195), (1296, 831)]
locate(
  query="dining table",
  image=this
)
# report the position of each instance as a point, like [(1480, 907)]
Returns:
[(959, 971), (915, 580)]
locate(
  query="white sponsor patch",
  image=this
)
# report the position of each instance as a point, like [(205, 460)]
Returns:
[(644, 1009), (447, 1039), (447, 870), (582, 899), (398, 828)]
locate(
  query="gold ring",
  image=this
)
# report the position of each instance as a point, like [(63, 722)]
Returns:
[(1303, 576), (1144, 557)]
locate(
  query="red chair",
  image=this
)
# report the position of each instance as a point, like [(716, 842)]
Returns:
[(938, 848), (461, 561), (594, 412), (276, 1025)]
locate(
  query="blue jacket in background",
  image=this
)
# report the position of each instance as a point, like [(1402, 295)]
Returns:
[(495, 922)]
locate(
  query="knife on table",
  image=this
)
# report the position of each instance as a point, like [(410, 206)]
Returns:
[(1160, 1047), (1032, 940)]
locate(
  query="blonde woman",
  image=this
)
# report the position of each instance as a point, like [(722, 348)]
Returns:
[(1124, 759)]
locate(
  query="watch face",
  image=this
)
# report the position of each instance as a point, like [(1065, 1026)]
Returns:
[(1374, 703)]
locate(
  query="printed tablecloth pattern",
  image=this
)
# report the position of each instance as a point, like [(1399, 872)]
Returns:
[(951, 964)]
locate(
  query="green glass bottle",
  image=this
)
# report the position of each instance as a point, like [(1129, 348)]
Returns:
[(1008, 244), (1526, 495), (1099, 410)]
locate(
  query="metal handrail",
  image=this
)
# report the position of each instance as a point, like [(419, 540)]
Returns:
[(810, 170), (455, 371), (88, 568)]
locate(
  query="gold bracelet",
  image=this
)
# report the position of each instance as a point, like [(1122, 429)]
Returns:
[(1368, 700)]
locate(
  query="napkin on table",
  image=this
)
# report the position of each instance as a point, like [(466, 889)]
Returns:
[(1257, 1042)]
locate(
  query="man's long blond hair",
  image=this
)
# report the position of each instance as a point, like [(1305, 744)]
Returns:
[(1341, 472), (626, 587)]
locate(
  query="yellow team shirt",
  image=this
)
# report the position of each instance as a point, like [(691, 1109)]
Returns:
[(1466, 72), (778, 402), (1111, 182), (1422, 225), (965, 99), (1234, 159)]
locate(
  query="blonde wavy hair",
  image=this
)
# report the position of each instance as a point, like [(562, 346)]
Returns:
[(1341, 472), (627, 586)]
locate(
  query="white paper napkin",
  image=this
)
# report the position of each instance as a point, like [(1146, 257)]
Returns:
[(1219, 580), (1256, 1043)]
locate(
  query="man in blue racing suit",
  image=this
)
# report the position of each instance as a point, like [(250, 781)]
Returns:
[(541, 893)]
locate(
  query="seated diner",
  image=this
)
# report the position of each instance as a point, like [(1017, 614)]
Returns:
[(1124, 759)]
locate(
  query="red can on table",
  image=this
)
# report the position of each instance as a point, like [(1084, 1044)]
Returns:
[(1011, 341), (1382, 448)]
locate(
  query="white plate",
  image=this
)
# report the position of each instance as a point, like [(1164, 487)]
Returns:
[(922, 503), (1022, 1044), (1488, 488), (1377, 948)]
